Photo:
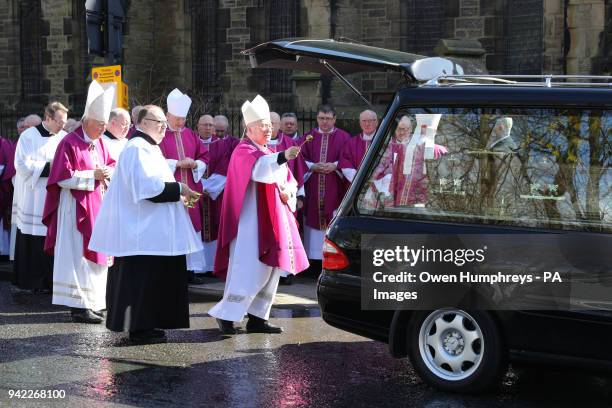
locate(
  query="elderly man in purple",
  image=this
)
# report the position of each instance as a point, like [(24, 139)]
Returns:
[(7, 171), (258, 235), (400, 179), (356, 148), (79, 176), (186, 156), (325, 184)]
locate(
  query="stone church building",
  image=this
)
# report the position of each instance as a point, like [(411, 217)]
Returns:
[(195, 45)]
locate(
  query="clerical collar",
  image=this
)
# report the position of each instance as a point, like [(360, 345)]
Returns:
[(43, 131), (206, 140), (326, 133), (174, 130), (257, 145), (276, 141), (109, 135), (367, 137), (87, 138), (140, 133)]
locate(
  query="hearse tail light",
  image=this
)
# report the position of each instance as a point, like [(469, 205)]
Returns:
[(333, 257)]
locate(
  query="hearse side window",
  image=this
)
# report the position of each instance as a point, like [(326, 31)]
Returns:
[(540, 168)]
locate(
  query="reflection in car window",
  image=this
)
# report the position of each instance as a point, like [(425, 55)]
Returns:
[(541, 168)]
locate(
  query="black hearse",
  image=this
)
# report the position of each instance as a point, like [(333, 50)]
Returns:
[(525, 154)]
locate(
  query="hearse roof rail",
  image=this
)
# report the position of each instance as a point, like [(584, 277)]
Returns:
[(546, 81)]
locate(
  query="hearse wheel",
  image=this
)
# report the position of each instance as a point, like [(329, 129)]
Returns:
[(456, 351)]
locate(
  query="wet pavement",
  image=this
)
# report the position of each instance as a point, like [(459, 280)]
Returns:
[(310, 365)]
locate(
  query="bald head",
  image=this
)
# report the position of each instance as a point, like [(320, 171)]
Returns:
[(152, 121), (135, 111), (119, 123), (275, 119), (221, 125), (206, 127), (32, 120), (368, 121), (403, 130)]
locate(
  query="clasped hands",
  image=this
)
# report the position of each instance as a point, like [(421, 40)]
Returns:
[(323, 168), (102, 174), (186, 163)]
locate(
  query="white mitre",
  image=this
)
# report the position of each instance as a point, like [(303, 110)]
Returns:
[(178, 103), (431, 120), (99, 102), (256, 110)]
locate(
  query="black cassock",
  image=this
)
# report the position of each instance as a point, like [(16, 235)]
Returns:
[(146, 292), (32, 268)]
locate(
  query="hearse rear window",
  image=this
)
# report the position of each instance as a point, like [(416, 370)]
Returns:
[(539, 168)]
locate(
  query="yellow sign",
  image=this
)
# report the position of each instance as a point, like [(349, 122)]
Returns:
[(109, 75)]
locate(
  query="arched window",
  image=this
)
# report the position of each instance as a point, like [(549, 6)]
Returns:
[(205, 42), (274, 20), (283, 22), (30, 32), (81, 63)]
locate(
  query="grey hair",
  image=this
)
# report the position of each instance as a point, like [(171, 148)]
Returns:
[(222, 118), (289, 115)]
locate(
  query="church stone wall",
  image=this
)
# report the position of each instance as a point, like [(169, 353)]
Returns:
[(10, 76), (158, 46)]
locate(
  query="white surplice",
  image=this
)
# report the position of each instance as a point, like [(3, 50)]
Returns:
[(214, 186), (32, 153), (5, 236), (77, 282), (114, 146), (251, 285), (128, 224)]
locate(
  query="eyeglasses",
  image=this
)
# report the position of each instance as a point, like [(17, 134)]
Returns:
[(264, 125), (162, 122), (60, 122), (325, 118), (370, 120)]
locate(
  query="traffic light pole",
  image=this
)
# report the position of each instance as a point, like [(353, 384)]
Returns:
[(104, 22)]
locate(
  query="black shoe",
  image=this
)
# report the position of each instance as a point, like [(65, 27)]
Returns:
[(288, 280), (226, 326), (41, 291), (192, 279), (151, 336), (85, 316), (259, 325), (101, 313)]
